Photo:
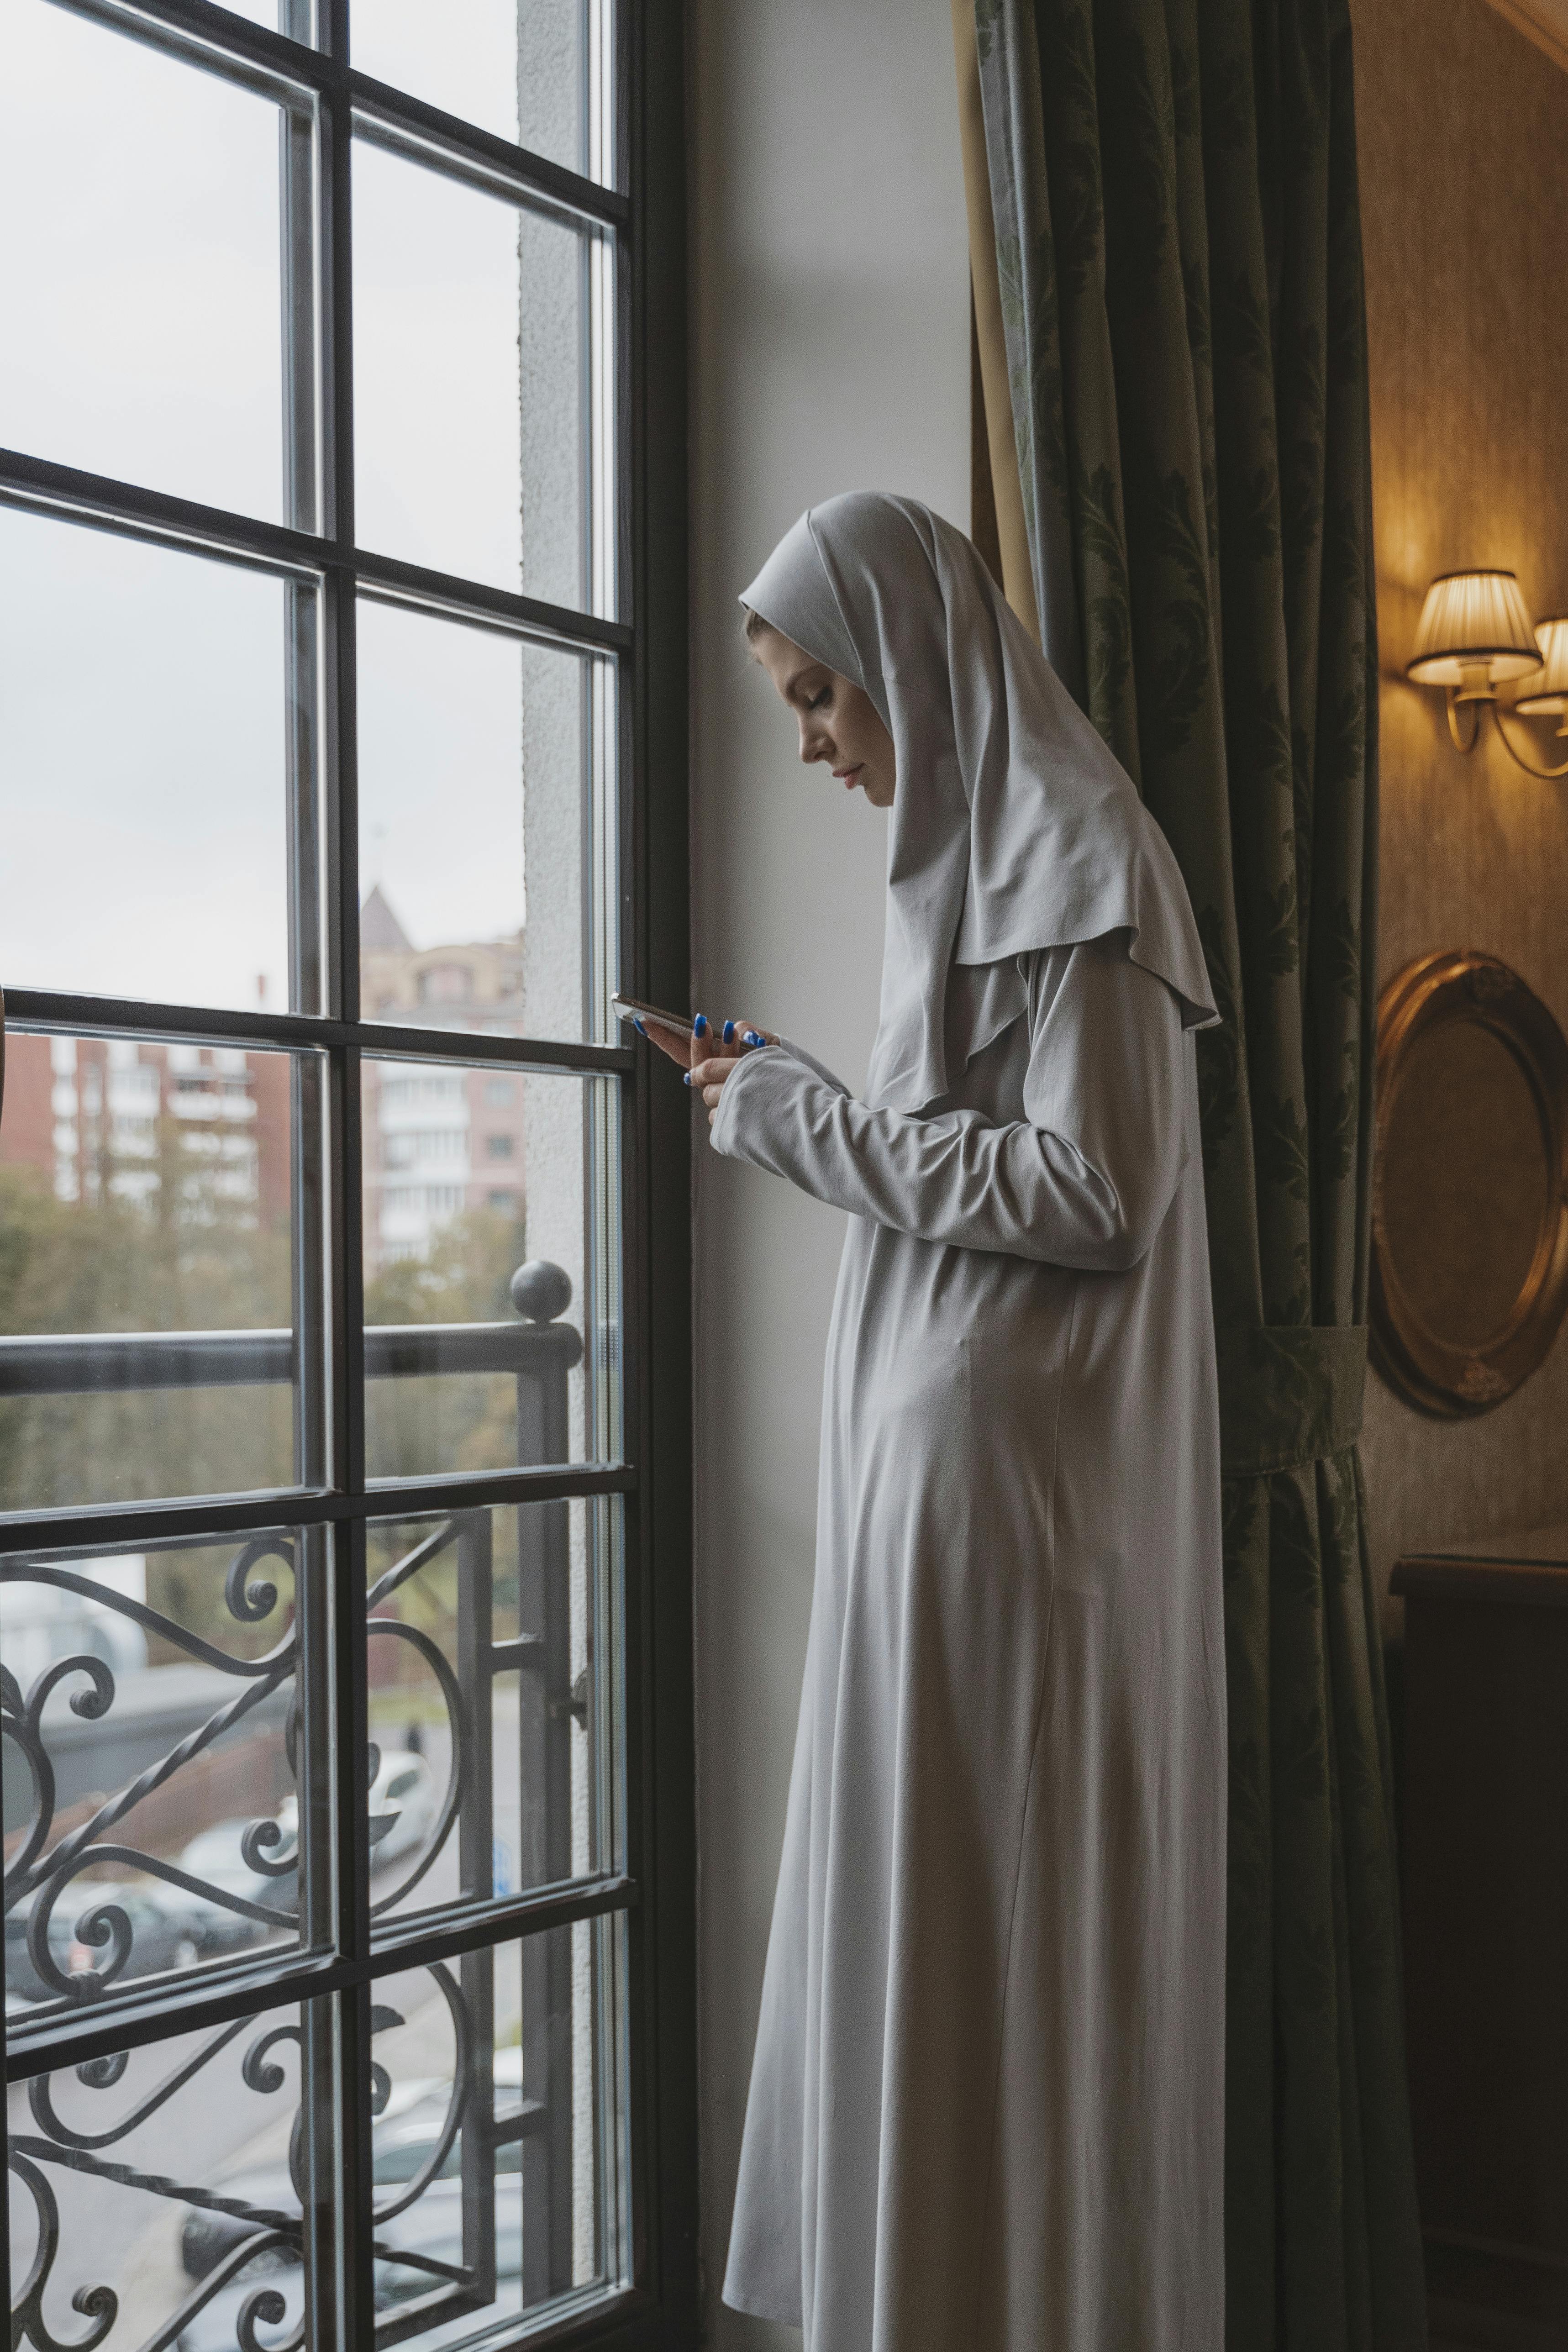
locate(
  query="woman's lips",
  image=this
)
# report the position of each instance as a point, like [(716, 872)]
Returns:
[(849, 776)]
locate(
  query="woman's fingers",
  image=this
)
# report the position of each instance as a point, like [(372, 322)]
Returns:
[(744, 1037), (709, 1076), (710, 1079), (711, 1041), (668, 1043)]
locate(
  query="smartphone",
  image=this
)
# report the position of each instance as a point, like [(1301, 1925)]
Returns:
[(652, 1017)]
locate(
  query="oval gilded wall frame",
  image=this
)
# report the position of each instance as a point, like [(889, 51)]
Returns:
[(1469, 1222)]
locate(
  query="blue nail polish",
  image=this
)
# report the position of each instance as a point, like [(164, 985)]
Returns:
[(729, 1031), (636, 1024), (699, 1027), (686, 1077), (752, 1038)]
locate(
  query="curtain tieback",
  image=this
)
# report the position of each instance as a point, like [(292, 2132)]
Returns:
[(1288, 1394)]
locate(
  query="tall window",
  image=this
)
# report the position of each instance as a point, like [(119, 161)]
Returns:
[(328, 1187)]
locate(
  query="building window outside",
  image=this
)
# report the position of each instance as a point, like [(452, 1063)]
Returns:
[(445, 984), (314, 1505)]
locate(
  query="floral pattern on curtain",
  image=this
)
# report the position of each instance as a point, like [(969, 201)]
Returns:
[(1178, 251)]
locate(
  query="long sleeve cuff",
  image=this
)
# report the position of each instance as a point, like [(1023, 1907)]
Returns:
[(758, 1100)]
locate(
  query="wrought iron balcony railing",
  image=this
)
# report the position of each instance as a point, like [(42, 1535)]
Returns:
[(75, 1942)]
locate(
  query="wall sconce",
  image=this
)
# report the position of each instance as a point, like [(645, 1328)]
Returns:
[(1474, 636)]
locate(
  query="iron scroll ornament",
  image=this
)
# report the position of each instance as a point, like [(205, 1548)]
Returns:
[(1470, 1259), (267, 2236), (43, 1868), (42, 1871)]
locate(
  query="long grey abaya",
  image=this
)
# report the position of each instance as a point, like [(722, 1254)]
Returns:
[(987, 2099)]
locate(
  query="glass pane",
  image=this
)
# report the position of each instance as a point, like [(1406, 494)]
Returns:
[(141, 275), (297, 18), (523, 2041), (145, 749), (494, 1683), (490, 1211), (469, 384), (517, 67), (486, 786), (148, 1273), (169, 2130), (155, 1717)]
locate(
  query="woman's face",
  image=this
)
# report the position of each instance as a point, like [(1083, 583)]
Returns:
[(838, 722)]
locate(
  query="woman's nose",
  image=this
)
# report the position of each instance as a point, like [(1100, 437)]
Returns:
[(814, 744)]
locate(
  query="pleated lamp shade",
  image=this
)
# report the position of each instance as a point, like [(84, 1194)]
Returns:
[(1474, 631), (1550, 690)]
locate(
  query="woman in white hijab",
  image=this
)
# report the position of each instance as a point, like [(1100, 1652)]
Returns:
[(986, 2106)]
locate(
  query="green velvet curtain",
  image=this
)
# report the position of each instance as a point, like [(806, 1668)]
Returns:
[(1178, 249)]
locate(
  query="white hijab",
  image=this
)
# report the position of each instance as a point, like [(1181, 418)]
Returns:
[(1013, 827)]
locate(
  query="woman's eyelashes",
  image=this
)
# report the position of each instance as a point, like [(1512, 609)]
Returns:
[(820, 700)]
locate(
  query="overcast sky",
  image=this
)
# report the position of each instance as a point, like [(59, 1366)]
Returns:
[(142, 692)]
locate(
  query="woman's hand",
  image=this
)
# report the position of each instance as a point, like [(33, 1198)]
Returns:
[(714, 1050), (716, 1053)]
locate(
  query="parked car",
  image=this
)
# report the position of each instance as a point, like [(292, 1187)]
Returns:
[(404, 1788), (407, 2132), (432, 2227), (214, 1854), (169, 1929), (403, 1805)]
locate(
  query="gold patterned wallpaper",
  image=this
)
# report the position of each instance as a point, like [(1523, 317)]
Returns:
[(1462, 129)]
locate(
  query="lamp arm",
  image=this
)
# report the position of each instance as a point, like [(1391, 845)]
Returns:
[(1463, 737), (1520, 762)]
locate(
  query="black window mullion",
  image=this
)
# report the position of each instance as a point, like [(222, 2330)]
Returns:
[(336, 268), (114, 1017), (146, 1525), (105, 502), (218, 40), (211, 39), (310, 1126), (317, 1776), (349, 2153), (414, 1941), (422, 134)]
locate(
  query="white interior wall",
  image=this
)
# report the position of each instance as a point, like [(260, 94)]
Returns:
[(830, 351)]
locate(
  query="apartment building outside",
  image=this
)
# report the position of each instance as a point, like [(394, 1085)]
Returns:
[(438, 1141), (95, 1116)]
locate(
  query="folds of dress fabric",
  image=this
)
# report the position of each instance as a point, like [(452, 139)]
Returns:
[(986, 2106)]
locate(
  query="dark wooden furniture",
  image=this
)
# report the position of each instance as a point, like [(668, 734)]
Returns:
[(1485, 1872)]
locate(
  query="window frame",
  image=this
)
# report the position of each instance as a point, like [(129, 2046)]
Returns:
[(643, 212)]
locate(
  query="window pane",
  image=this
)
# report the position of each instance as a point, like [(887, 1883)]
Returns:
[(148, 1344), (158, 1718), (145, 758), (470, 387), (156, 2241), (527, 2035), (297, 18), (514, 67), (491, 1250), (486, 797), (140, 279), (493, 1668)]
